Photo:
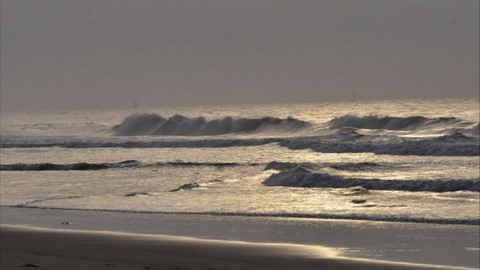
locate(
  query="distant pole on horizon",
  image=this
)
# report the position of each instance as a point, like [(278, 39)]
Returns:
[(354, 97)]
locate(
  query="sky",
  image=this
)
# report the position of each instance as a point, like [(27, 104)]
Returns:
[(93, 54)]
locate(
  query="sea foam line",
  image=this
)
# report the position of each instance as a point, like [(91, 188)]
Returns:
[(276, 215), (345, 140)]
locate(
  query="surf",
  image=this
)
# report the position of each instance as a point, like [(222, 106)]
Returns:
[(179, 125)]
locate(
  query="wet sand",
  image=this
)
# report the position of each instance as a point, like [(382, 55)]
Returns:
[(30, 247), (338, 240)]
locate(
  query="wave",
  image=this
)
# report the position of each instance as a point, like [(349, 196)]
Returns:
[(474, 130), (344, 140), (275, 165), (84, 166), (310, 167), (324, 180), (455, 144), (400, 218), (360, 166), (290, 166), (128, 142), (391, 123), (30, 203), (179, 125), (194, 185)]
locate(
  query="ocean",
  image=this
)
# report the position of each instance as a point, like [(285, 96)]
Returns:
[(397, 161)]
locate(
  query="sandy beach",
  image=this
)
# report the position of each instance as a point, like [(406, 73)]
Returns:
[(25, 247), (104, 240)]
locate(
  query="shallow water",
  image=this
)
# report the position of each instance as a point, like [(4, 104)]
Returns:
[(427, 149)]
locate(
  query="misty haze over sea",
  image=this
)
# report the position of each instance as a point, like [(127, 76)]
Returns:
[(93, 54)]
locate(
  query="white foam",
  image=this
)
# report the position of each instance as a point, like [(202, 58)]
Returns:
[(306, 179)]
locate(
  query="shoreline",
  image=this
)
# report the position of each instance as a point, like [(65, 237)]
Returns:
[(426, 244), (23, 246), (432, 221)]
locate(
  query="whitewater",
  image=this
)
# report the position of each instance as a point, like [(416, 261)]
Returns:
[(398, 161)]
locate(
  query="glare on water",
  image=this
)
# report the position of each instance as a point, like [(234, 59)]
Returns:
[(229, 180)]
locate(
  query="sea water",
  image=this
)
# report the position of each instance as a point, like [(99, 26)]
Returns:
[(399, 161)]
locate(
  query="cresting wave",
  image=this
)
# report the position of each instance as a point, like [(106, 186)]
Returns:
[(302, 178), (84, 166), (461, 137), (343, 141), (394, 123), (179, 125), (277, 215), (350, 141)]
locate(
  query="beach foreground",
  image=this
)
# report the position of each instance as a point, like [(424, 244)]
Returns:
[(419, 244), (61, 249)]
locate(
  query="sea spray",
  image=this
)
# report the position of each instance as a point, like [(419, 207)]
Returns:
[(178, 125)]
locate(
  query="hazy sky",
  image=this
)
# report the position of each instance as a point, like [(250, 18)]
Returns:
[(60, 54)]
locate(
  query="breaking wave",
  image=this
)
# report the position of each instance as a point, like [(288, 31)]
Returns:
[(344, 140), (128, 142), (455, 144), (391, 123), (178, 125), (348, 141), (324, 180)]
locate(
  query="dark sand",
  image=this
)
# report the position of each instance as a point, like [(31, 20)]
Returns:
[(28, 247), (437, 244)]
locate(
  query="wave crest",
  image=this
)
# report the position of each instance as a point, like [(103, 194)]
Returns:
[(390, 123), (179, 125), (325, 180), (455, 144)]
